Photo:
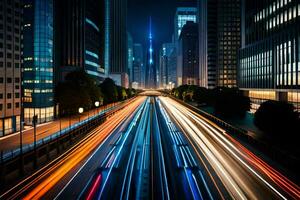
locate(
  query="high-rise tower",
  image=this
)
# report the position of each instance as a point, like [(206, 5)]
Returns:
[(10, 65), (118, 53), (269, 60), (219, 41), (38, 61), (150, 67), (79, 38)]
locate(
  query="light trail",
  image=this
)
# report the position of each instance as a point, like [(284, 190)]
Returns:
[(93, 190), (43, 183), (243, 174), (119, 152), (185, 160)]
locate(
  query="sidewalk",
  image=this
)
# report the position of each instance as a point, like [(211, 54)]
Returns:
[(11, 142)]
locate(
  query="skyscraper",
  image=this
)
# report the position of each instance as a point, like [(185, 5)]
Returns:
[(107, 35), (269, 60), (10, 65), (183, 14), (172, 68), (163, 68), (38, 60), (130, 57), (150, 81), (166, 69), (118, 53), (188, 55), (79, 39), (219, 31), (138, 64)]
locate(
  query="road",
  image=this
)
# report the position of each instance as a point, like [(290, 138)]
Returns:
[(45, 181), (138, 164), (228, 162), (156, 148)]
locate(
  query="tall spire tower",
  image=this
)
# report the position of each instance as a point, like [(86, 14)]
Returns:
[(150, 69)]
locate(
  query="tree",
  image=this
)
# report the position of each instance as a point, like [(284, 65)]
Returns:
[(83, 81), (200, 95), (231, 102), (109, 91), (277, 118), (70, 98), (78, 90), (122, 95), (178, 92), (130, 92)]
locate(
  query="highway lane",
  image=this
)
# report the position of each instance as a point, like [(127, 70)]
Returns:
[(184, 173), (127, 172), (232, 166), (139, 164), (43, 182)]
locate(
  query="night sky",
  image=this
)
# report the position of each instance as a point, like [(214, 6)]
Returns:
[(162, 13)]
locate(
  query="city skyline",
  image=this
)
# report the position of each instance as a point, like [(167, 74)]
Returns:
[(154, 99)]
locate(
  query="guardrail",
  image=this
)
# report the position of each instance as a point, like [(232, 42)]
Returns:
[(11, 154)]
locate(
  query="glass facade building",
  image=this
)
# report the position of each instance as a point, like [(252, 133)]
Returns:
[(38, 60), (166, 70), (94, 39), (10, 65), (79, 38), (269, 61), (219, 42), (138, 63), (130, 57), (183, 14)]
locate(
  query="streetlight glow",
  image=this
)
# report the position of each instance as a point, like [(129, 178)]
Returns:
[(80, 110)]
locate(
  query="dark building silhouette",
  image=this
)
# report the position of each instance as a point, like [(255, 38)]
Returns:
[(269, 60), (188, 55), (79, 37), (118, 52)]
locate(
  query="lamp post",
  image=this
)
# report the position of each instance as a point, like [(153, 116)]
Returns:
[(59, 115), (97, 104), (80, 111), (69, 118), (34, 122)]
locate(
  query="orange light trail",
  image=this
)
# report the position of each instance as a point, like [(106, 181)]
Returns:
[(57, 172)]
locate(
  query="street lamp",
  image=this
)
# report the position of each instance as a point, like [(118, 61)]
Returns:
[(59, 115), (80, 111), (97, 104)]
